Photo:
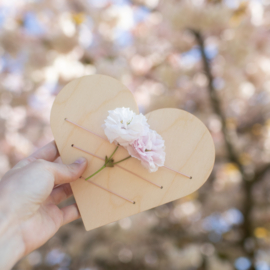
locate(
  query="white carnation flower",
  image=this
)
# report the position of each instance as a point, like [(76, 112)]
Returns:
[(124, 126)]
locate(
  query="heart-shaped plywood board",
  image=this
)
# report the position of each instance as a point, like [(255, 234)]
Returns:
[(188, 145)]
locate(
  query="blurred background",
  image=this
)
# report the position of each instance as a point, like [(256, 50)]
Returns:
[(208, 57)]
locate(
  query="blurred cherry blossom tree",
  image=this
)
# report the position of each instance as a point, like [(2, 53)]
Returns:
[(208, 57)]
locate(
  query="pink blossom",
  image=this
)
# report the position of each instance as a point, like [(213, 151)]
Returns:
[(150, 149)]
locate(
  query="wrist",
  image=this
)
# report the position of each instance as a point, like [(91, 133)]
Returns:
[(11, 242)]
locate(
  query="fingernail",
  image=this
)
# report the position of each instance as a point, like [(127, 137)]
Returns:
[(80, 160)]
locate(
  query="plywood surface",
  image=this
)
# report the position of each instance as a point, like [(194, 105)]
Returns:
[(189, 149)]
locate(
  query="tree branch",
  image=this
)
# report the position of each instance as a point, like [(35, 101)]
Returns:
[(232, 155), (215, 101)]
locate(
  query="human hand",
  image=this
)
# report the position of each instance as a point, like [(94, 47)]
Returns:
[(29, 195)]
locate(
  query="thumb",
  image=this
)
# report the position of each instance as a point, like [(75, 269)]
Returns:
[(64, 173)]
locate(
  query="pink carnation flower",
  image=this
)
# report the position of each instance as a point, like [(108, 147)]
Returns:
[(150, 149)]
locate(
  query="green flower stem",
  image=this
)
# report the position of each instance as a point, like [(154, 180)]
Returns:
[(113, 152), (104, 166), (121, 160)]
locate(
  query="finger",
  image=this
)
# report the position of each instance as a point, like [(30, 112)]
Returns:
[(24, 162), (70, 213), (61, 193), (58, 160), (63, 173), (49, 152)]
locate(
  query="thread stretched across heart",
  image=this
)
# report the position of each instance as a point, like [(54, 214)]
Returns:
[(189, 150)]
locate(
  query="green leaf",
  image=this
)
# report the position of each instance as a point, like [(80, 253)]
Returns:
[(110, 163)]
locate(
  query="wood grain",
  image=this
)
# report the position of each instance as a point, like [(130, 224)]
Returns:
[(189, 149)]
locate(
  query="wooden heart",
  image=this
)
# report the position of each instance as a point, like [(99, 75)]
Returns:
[(189, 149)]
